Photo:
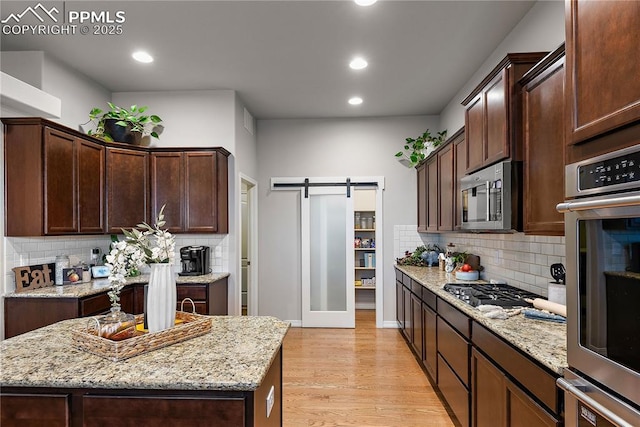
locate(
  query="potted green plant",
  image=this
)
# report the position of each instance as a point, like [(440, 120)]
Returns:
[(121, 124), (417, 149)]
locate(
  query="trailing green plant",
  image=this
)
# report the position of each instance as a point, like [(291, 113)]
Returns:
[(145, 124), (415, 258), (414, 150)]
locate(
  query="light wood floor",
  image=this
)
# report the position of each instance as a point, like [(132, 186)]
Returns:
[(356, 377)]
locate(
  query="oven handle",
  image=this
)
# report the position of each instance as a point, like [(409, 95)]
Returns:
[(573, 390), (614, 202)]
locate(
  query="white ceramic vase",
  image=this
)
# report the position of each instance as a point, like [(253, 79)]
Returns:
[(161, 298)]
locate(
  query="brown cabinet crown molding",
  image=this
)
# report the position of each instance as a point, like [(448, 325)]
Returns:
[(508, 60), (54, 125)]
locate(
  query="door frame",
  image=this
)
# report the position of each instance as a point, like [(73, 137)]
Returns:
[(252, 283), (294, 183)]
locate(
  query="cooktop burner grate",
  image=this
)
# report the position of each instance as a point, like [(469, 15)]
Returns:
[(480, 294)]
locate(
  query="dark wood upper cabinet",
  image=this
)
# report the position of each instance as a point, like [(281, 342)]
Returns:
[(167, 188), (603, 91), (493, 117), (422, 197), (438, 176), (543, 96), (460, 165), (446, 188), (91, 185), (432, 193), (127, 188), (59, 181), (193, 186), (54, 180)]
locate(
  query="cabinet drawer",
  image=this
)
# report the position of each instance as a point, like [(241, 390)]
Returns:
[(399, 275), (429, 298), (417, 288), (406, 280), (49, 410), (456, 395), (195, 292), (523, 411), (534, 378), (455, 349), (455, 318), (94, 305)]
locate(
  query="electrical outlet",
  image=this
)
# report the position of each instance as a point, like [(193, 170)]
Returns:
[(271, 397)]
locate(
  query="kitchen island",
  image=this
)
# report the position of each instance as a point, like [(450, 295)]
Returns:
[(231, 376)]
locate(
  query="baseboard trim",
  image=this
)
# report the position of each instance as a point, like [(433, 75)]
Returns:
[(391, 324), (295, 323)]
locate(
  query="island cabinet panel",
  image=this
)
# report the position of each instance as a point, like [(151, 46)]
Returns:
[(54, 180), (26, 314), (493, 117), (399, 302), (544, 127), (25, 410), (152, 411), (127, 188), (602, 94)]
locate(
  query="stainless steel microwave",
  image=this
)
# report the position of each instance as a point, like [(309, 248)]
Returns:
[(490, 198)]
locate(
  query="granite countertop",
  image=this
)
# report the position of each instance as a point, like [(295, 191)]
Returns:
[(234, 356), (97, 286), (544, 341)]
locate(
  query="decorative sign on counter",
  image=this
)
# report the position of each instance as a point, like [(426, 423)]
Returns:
[(34, 276)]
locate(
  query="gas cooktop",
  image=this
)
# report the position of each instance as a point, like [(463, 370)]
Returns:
[(494, 294)]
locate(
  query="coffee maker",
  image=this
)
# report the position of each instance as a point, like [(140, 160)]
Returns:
[(194, 260)]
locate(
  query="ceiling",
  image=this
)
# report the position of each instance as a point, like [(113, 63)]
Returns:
[(289, 59)]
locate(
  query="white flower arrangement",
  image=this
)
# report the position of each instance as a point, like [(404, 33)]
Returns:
[(149, 246)]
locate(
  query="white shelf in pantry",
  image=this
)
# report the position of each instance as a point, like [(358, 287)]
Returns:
[(365, 268), (364, 287), (364, 229), (365, 249)]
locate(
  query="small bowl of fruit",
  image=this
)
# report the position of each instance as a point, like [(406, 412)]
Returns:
[(466, 272)]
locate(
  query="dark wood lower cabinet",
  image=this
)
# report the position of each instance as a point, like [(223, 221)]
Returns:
[(430, 354), (498, 402), (454, 392), (50, 410), (144, 408), (24, 314), (485, 380)]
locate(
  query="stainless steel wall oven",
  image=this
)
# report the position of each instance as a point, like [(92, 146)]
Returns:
[(602, 229)]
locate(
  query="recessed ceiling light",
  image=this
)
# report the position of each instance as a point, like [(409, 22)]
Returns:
[(142, 56), (365, 2), (356, 100), (358, 63)]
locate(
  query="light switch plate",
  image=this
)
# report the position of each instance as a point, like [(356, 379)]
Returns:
[(271, 397)]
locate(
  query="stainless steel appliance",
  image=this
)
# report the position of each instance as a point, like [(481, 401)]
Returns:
[(495, 294), (490, 198), (194, 260), (602, 229)]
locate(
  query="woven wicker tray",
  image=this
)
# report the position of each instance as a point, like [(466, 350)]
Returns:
[(192, 325)]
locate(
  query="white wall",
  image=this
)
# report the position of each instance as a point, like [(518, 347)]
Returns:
[(194, 118), (542, 29), (326, 147), (25, 66)]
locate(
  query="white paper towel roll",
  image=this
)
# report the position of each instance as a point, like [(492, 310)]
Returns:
[(543, 304)]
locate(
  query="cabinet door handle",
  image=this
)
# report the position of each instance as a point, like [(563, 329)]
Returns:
[(574, 390)]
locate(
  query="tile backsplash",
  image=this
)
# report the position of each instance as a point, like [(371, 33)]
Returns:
[(522, 261), (21, 251)]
